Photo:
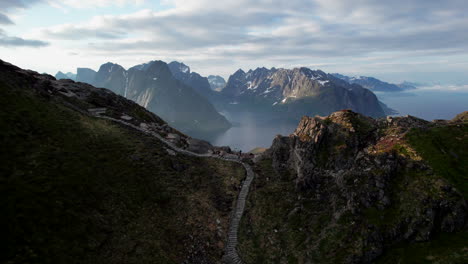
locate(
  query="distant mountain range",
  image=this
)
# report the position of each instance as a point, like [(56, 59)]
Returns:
[(196, 81), (376, 85), (297, 92), (60, 75), (162, 91), (191, 102)]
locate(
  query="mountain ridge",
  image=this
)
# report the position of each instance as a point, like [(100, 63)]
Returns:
[(300, 90), (375, 84), (154, 86)]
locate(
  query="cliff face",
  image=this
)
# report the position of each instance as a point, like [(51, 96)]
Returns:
[(346, 188), (154, 86), (297, 92), (182, 73)]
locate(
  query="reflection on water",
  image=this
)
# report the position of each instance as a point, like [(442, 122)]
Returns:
[(248, 132), (427, 104)]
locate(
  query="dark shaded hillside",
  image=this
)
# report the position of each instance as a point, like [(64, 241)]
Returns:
[(79, 189)]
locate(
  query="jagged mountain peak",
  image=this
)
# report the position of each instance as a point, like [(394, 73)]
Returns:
[(312, 89), (239, 72), (179, 66)]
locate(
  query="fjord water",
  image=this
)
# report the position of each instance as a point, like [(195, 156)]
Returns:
[(428, 104), (250, 131)]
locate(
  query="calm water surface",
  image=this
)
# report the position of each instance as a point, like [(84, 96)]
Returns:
[(250, 132), (427, 104)]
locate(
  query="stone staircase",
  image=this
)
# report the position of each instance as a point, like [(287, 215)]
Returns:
[(231, 255)]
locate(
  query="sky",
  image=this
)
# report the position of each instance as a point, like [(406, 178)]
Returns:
[(414, 40)]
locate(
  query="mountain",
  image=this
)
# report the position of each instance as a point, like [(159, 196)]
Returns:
[(85, 75), (111, 76), (88, 176), (182, 73), (153, 86), (376, 85), (68, 75), (350, 189), (217, 82), (297, 92), (77, 187), (410, 85)]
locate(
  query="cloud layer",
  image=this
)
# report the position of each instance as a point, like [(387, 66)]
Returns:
[(7, 6), (11, 41), (215, 36)]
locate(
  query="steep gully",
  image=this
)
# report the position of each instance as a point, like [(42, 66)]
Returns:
[(231, 255)]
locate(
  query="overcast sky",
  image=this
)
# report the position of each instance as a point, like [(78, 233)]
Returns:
[(394, 40)]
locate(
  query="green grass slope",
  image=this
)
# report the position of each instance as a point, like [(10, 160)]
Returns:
[(444, 149), (77, 189)]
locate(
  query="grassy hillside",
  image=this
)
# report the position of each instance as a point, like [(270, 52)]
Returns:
[(76, 189), (444, 149), (284, 224)]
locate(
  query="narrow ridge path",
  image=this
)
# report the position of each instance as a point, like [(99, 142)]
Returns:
[(231, 256)]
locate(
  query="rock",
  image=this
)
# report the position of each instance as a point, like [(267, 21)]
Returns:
[(170, 151), (334, 159), (126, 117), (173, 137), (198, 146)]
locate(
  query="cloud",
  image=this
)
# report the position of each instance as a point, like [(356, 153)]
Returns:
[(227, 34), (92, 3), (12, 5), (11, 41), (5, 20), (327, 28)]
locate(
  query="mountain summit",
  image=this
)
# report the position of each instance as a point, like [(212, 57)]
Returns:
[(299, 91), (162, 91)]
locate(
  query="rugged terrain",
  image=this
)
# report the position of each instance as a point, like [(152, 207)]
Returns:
[(163, 92), (79, 188), (92, 177), (350, 189), (290, 94)]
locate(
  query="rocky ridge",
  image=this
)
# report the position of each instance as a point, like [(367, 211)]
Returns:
[(299, 91), (362, 175), (162, 91), (376, 85)]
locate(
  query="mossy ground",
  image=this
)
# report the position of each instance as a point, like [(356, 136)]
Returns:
[(76, 189), (444, 149), (285, 225), (282, 225)]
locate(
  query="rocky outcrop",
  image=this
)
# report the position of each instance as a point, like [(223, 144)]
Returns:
[(462, 117), (376, 187)]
